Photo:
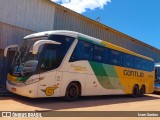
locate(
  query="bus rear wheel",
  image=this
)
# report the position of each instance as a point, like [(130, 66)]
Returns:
[(72, 92), (142, 91), (135, 91)]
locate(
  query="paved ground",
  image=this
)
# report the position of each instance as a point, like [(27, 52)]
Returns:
[(150, 102)]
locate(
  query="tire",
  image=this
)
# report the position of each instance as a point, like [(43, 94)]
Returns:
[(142, 91), (135, 91), (72, 92)]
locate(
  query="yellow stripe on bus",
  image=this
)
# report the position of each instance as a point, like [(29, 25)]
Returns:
[(115, 47)]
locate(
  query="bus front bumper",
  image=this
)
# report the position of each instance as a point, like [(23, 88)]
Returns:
[(27, 90)]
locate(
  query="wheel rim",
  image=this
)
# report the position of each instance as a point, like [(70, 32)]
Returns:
[(72, 91)]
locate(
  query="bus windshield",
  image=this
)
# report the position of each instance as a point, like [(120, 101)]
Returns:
[(25, 63), (24, 57)]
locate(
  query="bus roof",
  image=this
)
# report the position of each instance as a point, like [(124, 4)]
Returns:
[(88, 39), (58, 32)]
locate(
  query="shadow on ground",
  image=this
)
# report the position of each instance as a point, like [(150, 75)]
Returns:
[(59, 103)]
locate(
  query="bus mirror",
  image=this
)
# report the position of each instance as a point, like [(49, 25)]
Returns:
[(7, 48), (42, 42)]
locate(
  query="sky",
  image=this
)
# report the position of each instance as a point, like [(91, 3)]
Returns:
[(139, 19)]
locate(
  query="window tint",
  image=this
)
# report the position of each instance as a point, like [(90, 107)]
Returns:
[(87, 51), (83, 51), (54, 54), (50, 59), (150, 65), (115, 57), (106, 57), (91, 52), (127, 60), (143, 64), (137, 63), (99, 53), (64, 40)]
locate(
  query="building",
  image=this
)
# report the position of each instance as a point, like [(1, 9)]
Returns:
[(19, 18)]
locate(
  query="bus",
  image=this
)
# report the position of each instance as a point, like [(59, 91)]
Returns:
[(157, 78), (69, 64)]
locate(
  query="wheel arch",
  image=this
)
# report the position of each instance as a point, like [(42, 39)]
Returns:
[(64, 87), (135, 93), (73, 91), (79, 86)]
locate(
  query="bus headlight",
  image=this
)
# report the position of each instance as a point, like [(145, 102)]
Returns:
[(32, 81)]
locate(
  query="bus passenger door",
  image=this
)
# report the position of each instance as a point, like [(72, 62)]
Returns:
[(50, 78), (57, 84)]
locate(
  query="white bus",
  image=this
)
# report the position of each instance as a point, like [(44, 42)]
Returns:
[(70, 64)]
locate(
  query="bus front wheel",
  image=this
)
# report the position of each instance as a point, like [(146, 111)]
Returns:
[(72, 91), (135, 91)]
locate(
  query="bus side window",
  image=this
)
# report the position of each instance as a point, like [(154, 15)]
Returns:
[(137, 63), (150, 65), (106, 56), (127, 60), (115, 57), (50, 58), (83, 51), (99, 53)]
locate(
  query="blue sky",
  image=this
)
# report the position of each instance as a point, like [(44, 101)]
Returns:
[(137, 18)]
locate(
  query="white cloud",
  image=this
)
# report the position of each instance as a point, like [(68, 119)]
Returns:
[(80, 6)]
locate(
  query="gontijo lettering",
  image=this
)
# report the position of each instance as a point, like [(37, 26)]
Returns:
[(133, 73)]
